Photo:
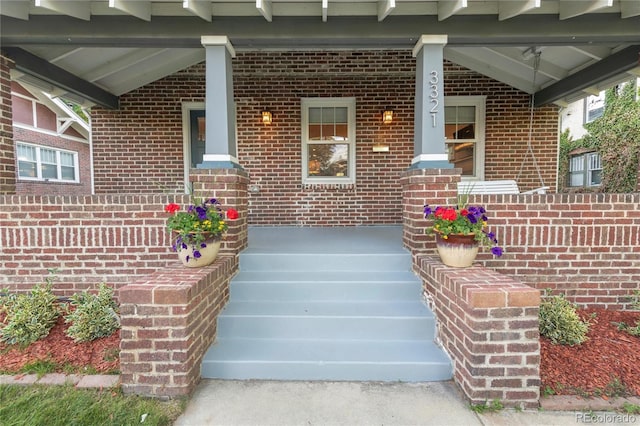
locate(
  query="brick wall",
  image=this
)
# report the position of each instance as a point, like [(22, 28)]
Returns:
[(56, 188), (488, 324), (168, 323), (7, 152), (586, 246), (148, 143), (88, 239)]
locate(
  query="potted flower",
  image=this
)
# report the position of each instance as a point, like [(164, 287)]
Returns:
[(459, 231), (198, 230)]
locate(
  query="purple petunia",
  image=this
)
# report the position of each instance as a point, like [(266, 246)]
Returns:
[(201, 212)]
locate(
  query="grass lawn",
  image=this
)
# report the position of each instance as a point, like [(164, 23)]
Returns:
[(65, 405)]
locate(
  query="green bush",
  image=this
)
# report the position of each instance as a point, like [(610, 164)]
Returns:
[(635, 300), (95, 316), (30, 316), (634, 331), (560, 322)]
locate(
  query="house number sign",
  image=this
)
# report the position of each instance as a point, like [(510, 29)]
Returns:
[(433, 96)]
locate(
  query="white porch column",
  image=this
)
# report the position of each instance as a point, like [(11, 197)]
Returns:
[(429, 142), (220, 146)]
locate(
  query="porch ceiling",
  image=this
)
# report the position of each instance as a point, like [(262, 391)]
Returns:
[(94, 51)]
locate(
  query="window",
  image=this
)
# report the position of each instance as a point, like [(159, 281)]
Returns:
[(42, 163), (594, 107), (464, 133), (585, 169), (328, 140)]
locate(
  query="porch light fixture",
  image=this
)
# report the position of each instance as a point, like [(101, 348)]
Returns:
[(266, 117), (387, 116)]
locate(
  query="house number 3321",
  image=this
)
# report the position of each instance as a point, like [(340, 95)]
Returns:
[(433, 96)]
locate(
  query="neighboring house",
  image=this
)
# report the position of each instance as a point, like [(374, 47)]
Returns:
[(52, 144), (585, 165)]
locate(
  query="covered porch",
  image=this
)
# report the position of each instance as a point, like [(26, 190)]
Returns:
[(555, 50)]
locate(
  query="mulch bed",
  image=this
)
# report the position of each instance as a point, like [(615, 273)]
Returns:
[(57, 347), (605, 365)]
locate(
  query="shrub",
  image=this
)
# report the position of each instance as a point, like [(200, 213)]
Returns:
[(95, 316), (30, 316), (560, 322), (635, 300), (634, 331)]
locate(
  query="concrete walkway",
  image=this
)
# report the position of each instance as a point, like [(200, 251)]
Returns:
[(235, 403)]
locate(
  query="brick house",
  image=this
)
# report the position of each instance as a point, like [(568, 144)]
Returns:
[(185, 107), (52, 145)]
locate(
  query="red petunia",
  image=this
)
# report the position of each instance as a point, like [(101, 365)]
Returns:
[(171, 208), (446, 213), (232, 214)]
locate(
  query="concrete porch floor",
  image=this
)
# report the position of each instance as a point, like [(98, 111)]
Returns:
[(349, 239)]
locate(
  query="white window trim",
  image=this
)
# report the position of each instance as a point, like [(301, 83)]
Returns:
[(479, 102), (39, 178), (587, 110), (586, 171), (350, 104)]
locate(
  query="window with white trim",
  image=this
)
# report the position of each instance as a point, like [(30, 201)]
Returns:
[(594, 107), (585, 170), (46, 163), (328, 140), (464, 133)]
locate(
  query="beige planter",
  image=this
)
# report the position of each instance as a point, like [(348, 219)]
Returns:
[(457, 250), (207, 254)]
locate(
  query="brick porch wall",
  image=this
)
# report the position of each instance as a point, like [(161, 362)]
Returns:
[(488, 324), (108, 238), (168, 323), (586, 246)]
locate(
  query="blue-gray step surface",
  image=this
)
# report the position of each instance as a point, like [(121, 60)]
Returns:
[(326, 304)]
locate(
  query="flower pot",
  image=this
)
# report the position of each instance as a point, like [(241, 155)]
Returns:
[(457, 250), (207, 254)]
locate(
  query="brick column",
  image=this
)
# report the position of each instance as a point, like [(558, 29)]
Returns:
[(229, 186), (7, 149), (168, 322), (420, 187), (488, 324)]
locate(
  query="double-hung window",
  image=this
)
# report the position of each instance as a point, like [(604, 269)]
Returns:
[(48, 164), (585, 169), (464, 132), (328, 140)]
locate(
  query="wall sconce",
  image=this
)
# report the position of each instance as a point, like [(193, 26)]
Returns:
[(266, 117), (387, 116)]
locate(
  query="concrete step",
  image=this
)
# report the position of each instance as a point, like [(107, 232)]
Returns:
[(326, 304), (321, 263), (329, 359), (356, 291)]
